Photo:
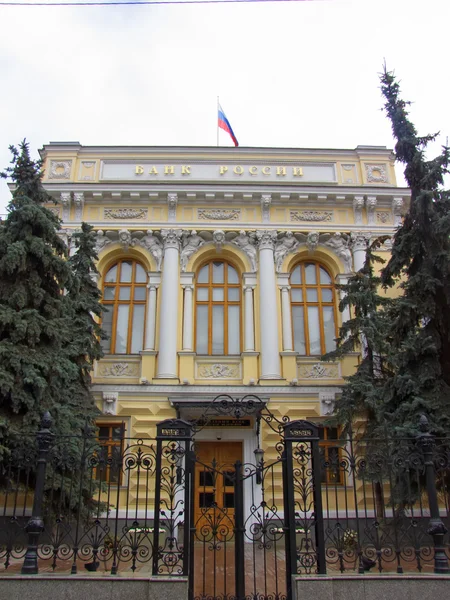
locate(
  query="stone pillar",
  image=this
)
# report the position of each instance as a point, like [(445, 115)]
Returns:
[(359, 245), (150, 328), (168, 322), (287, 321), (270, 357), (187, 319), (249, 327), (342, 280)]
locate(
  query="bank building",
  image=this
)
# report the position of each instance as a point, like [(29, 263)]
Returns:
[(218, 268)]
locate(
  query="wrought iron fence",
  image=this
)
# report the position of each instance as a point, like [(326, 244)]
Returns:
[(328, 503)]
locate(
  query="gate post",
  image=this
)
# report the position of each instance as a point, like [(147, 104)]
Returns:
[(172, 433), (436, 528), (35, 525), (307, 433), (239, 531)]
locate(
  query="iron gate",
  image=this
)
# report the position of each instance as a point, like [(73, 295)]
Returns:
[(251, 525)]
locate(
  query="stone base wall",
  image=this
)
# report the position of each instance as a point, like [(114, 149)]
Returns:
[(40, 587), (373, 587)]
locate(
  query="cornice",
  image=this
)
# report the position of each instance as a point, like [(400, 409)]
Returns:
[(210, 151), (192, 393)]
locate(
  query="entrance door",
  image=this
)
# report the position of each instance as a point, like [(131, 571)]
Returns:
[(214, 486)]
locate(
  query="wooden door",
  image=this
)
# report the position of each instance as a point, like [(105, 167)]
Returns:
[(214, 488)]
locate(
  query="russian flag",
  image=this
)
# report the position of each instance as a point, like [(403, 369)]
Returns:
[(225, 125)]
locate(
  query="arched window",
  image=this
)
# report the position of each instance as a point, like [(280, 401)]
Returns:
[(313, 309), (218, 309), (124, 295)]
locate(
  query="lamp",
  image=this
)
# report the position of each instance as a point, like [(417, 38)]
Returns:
[(259, 460)]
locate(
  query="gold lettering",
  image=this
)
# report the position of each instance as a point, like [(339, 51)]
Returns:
[(139, 170), (153, 171), (223, 170), (169, 170), (253, 170), (297, 171), (265, 170), (185, 170), (238, 170), (281, 170)]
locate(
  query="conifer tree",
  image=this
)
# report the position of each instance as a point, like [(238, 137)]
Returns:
[(365, 331), (83, 312), (34, 371), (420, 260)]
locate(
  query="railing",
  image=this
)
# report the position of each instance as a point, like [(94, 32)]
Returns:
[(80, 503)]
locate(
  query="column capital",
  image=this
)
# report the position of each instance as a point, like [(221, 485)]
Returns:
[(359, 240), (171, 238), (188, 287), (285, 288), (267, 239)]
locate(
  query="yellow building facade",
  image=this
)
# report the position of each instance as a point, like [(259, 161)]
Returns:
[(218, 269)]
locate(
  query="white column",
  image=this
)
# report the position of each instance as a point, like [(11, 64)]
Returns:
[(150, 327), (287, 321), (249, 328), (187, 319), (168, 322), (270, 356), (359, 245), (342, 280)]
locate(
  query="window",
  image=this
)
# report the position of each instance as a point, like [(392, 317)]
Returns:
[(109, 455), (218, 309), (331, 455), (313, 309), (124, 296)]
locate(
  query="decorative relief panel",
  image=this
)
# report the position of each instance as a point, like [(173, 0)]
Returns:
[(60, 169), (384, 217), (311, 215), (87, 170), (218, 214), (122, 369), (210, 369), (349, 173), (376, 173), (125, 213), (318, 370)]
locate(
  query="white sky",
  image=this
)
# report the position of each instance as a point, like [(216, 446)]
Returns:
[(288, 74)]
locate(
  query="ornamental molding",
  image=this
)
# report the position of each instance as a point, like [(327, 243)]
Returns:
[(218, 370), (376, 173), (125, 213), (65, 201), (60, 169), (209, 392), (266, 239), (327, 403), (358, 205), (311, 215), (171, 238), (110, 403), (218, 214), (318, 370), (288, 244), (191, 243), (266, 201), (384, 217), (119, 369), (172, 201), (78, 200), (371, 206)]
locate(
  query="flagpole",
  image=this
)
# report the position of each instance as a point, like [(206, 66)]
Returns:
[(217, 120)]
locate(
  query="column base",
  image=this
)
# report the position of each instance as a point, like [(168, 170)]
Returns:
[(166, 379)]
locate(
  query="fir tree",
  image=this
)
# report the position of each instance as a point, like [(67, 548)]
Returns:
[(368, 327), (420, 260), (34, 371), (83, 312)]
